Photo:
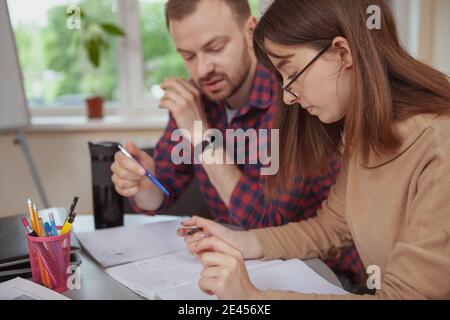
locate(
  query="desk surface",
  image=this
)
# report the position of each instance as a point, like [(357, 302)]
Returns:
[(97, 284)]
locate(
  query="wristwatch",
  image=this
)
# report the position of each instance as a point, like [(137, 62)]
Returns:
[(206, 144)]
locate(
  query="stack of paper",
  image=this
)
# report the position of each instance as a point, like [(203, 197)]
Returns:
[(21, 289), (175, 276), (152, 261), (115, 246)]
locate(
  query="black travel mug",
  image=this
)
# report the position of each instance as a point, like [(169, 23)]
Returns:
[(108, 204)]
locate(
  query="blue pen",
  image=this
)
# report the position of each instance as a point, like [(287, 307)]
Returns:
[(48, 229), (51, 217), (147, 173)]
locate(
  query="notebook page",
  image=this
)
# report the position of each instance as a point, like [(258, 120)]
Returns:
[(121, 245), (163, 273), (291, 275)]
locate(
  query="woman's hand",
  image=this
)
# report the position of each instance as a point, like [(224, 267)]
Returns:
[(224, 274), (243, 241)]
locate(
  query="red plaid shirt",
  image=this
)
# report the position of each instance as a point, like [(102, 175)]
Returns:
[(249, 207)]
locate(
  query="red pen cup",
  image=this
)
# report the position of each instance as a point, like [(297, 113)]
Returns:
[(50, 260)]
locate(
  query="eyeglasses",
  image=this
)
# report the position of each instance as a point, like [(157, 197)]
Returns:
[(287, 86)]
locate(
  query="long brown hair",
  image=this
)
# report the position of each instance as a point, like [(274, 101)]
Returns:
[(388, 83)]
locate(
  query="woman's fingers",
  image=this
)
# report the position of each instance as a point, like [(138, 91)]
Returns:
[(214, 272), (195, 238), (207, 285), (214, 259), (214, 244), (196, 221)]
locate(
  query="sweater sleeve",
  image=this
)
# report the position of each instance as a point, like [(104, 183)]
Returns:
[(321, 236)]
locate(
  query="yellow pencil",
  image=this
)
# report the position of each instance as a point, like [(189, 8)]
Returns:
[(36, 218), (32, 215)]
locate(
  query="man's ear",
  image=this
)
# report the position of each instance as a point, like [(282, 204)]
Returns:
[(250, 27)]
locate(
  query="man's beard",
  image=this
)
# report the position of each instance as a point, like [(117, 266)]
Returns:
[(233, 84)]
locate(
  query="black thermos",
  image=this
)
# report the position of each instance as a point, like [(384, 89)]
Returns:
[(108, 204)]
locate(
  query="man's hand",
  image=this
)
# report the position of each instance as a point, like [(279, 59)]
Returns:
[(130, 181), (128, 176), (184, 101)]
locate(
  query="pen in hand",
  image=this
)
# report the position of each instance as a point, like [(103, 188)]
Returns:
[(147, 173)]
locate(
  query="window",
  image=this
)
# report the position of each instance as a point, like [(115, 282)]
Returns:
[(160, 59), (57, 74), (56, 71)]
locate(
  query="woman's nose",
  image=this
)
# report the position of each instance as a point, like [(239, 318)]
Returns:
[(289, 98)]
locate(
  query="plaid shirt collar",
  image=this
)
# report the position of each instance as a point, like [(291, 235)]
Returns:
[(261, 95)]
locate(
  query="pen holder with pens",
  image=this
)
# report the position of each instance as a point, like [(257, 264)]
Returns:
[(50, 259)]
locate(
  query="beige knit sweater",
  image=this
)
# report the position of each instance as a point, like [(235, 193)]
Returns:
[(396, 210)]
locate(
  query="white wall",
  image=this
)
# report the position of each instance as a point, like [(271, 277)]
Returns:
[(440, 55), (63, 161)]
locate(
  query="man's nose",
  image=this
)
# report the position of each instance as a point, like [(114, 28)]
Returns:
[(205, 66)]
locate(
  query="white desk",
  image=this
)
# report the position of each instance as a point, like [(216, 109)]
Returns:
[(96, 284)]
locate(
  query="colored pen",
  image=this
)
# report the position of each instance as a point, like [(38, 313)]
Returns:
[(30, 230), (42, 232), (68, 224), (147, 173), (51, 217), (48, 229), (70, 217)]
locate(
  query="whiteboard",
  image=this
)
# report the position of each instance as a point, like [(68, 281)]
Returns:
[(13, 105)]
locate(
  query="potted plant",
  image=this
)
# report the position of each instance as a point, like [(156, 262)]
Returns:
[(94, 36)]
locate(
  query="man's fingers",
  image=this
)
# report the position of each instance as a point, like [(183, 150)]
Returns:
[(124, 184), (128, 192), (180, 89), (129, 165), (132, 148), (125, 174), (172, 96), (168, 104), (190, 87)]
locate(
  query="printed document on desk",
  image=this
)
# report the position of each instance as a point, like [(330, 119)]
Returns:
[(111, 247), (175, 276), (21, 289)]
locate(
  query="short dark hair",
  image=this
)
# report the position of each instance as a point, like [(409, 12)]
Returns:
[(179, 9)]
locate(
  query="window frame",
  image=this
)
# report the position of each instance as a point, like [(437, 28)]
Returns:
[(131, 99)]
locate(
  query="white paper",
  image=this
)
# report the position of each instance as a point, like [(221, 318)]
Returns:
[(59, 214), (121, 245), (175, 277), (21, 289), (292, 275)]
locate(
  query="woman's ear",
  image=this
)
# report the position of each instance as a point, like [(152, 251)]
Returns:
[(341, 46)]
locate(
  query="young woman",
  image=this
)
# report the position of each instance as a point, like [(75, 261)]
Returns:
[(354, 91)]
